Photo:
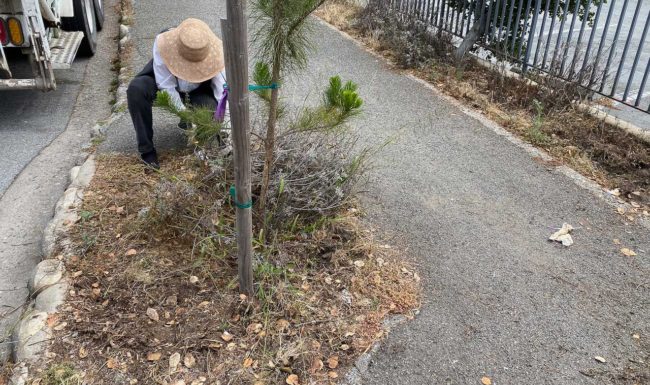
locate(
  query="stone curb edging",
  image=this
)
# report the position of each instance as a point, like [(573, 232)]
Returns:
[(48, 285), (124, 46)]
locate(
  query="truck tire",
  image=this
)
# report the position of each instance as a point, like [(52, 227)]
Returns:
[(84, 20), (99, 13)]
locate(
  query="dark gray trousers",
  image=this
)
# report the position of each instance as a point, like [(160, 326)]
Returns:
[(141, 95)]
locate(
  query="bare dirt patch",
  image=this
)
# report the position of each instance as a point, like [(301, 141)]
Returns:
[(153, 304)]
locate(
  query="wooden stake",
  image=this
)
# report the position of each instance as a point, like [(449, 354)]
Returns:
[(235, 40)]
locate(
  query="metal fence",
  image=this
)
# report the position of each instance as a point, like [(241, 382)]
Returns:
[(601, 45)]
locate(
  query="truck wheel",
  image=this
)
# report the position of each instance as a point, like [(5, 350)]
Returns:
[(99, 13), (84, 20)]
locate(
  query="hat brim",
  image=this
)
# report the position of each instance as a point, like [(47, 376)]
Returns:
[(193, 72)]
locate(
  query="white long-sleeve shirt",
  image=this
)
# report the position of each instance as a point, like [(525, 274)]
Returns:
[(169, 83)]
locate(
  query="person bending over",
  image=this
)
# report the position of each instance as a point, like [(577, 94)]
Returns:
[(187, 64)]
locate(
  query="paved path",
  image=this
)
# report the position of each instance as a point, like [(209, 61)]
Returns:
[(41, 138), (475, 212)]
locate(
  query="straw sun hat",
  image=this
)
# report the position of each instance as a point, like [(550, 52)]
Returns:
[(192, 52)]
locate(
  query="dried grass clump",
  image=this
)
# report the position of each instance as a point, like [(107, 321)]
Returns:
[(412, 42), (339, 12), (316, 174)]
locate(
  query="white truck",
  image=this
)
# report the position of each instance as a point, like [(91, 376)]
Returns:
[(50, 33)]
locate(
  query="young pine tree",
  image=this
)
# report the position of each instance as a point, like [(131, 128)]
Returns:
[(283, 41)]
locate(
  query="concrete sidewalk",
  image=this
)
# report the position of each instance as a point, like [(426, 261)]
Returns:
[(475, 212)]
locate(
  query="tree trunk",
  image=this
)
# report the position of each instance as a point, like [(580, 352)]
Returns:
[(236, 57), (269, 143), (475, 33)]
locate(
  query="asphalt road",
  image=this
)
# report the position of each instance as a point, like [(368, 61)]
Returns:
[(475, 212), (42, 136), (31, 120)]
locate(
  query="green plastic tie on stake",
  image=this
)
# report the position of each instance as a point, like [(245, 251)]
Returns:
[(233, 195), (256, 87)]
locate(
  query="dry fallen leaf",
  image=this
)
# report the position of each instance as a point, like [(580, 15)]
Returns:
[(254, 328), (189, 360), (226, 336), (281, 325), (153, 314), (60, 326), (154, 356), (332, 374), (333, 362), (316, 365), (83, 353), (627, 252), (248, 362), (52, 320), (131, 252), (111, 363), (174, 360), (293, 380), (486, 381)]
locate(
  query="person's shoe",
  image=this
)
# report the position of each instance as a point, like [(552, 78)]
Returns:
[(151, 159)]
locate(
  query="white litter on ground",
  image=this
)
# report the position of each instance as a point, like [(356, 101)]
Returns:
[(563, 235)]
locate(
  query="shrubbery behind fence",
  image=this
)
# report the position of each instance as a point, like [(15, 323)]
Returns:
[(600, 44)]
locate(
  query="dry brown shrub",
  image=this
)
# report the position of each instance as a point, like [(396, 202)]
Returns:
[(339, 12)]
